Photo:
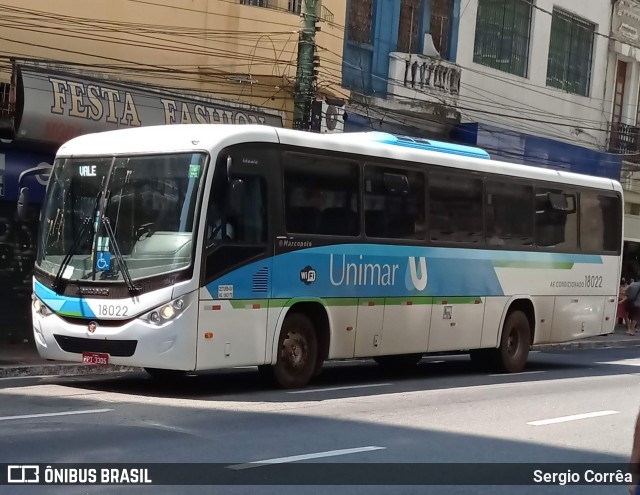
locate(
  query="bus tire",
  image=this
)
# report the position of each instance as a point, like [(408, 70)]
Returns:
[(400, 362), (164, 375), (515, 343), (297, 352)]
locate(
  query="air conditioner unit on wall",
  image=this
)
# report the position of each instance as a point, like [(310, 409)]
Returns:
[(327, 117)]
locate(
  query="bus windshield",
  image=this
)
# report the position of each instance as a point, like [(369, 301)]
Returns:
[(148, 207)]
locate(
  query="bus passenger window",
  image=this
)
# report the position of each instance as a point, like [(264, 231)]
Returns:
[(321, 196), (455, 208), (394, 203), (599, 218), (556, 219), (508, 213)]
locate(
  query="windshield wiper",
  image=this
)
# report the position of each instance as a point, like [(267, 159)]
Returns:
[(118, 254), (70, 253)]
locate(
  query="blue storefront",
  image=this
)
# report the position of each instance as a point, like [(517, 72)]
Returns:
[(527, 149)]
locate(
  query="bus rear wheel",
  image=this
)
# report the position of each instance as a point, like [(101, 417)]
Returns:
[(512, 355), (297, 352)]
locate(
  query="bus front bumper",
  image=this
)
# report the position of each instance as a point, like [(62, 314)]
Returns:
[(134, 343)]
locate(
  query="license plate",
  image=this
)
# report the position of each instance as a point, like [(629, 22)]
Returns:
[(95, 358)]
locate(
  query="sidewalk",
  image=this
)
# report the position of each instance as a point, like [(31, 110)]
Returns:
[(23, 359)]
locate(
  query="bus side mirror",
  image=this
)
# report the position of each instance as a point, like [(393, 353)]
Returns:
[(236, 197), (23, 204)]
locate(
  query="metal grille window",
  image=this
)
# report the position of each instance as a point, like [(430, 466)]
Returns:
[(360, 15), (295, 6), (255, 3), (441, 11), (570, 53), (503, 31), (408, 26)]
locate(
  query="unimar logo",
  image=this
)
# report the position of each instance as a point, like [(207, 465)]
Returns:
[(358, 272)]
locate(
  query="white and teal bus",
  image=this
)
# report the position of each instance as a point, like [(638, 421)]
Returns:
[(198, 247)]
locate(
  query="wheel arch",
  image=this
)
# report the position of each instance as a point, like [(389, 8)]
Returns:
[(522, 303), (316, 310)]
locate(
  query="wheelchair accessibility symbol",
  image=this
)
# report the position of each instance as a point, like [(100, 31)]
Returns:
[(103, 261)]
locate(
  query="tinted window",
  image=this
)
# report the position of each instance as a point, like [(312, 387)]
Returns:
[(248, 225), (556, 219), (599, 222), (509, 214), (321, 195), (394, 203), (455, 208)]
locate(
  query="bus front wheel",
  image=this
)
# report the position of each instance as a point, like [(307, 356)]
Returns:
[(297, 352), (512, 355)]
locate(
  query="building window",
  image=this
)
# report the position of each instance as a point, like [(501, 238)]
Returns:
[(440, 29), (570, 53), (359, 24), (255, 3), (295, 6), (408, 26), (503, 31)]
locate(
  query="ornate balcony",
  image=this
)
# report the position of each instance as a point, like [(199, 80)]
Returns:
[(423, 77), (625, 139)]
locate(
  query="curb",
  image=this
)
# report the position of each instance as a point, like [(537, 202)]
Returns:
[(61, 370), (582, 344), (71, 369)]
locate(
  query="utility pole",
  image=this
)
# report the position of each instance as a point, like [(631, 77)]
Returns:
[(305, 77)]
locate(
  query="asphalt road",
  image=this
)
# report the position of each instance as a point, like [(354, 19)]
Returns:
[(575, 406)]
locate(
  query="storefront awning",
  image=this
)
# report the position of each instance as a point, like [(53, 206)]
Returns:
[(53, 106)]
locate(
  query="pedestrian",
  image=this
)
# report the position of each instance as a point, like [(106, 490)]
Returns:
[(633, 307), (621, 314)]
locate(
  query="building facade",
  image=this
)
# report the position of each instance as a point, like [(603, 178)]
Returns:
[(623, 119), (72, 67), (399, 64), (534, 83)]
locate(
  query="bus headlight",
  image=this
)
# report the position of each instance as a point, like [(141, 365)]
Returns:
[(39, 307), (167, 312)]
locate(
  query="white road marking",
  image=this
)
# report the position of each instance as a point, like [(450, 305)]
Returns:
[(331, 389), (518, 374), (48, 415), (622, 362), (573, 417), (294, 458)]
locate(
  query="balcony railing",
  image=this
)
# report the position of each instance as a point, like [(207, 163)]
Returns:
[(411, 73), (625, 139)]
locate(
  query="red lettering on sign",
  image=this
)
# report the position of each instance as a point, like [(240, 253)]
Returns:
[(60, 133)]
